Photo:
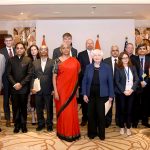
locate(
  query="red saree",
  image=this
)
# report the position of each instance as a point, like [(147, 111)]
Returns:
[(66, 107)]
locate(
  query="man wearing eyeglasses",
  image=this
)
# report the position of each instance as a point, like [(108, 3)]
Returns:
[(141, 106), (112, 61), (42, 69)]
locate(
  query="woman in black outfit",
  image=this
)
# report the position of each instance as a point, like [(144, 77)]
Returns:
[(126, 80), (97, 88)]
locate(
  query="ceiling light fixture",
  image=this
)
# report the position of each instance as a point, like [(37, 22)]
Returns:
[(93, 9)]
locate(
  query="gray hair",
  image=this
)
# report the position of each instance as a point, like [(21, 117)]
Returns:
[(97, 52)]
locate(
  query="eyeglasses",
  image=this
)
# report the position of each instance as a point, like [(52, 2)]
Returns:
[(125, 58)]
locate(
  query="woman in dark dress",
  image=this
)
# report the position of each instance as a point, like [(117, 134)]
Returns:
[(33, 53)]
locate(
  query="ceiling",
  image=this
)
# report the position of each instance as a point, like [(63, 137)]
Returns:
[(74, 11)]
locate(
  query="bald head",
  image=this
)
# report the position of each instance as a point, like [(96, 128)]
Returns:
[(89, 44), (43, 51)]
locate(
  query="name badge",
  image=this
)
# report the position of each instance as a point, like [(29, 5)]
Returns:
[(144, 75), (129, 85)]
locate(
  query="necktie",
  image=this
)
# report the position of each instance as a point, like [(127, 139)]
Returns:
[(115, 64), (141, 63), (10, 53), (141, 69)]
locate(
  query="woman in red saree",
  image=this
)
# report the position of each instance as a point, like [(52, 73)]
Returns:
[(65, 81)]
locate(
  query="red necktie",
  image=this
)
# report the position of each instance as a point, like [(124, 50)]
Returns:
[(10, 53)]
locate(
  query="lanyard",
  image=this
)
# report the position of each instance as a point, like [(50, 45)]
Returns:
[(127, 73)]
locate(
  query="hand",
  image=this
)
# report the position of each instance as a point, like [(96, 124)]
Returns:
[(143, 84), (110, 99), (126, 93), (18, 86), (85, 98), (56, 96), (130, 92), (33, 91)]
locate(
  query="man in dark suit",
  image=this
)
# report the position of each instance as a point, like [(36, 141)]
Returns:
[(8, 52), (130, 49), (84, 58), (42, 69), (112, 61), (19, 73), (67, 38), (141, 107)]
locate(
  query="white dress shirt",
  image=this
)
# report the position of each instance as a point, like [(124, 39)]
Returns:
[(43, 63), (8, 50), (90, 55), (113, 62)]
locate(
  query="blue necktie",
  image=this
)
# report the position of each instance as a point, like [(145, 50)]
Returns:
[(141, 69)]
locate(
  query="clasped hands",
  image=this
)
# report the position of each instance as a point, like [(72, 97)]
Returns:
[(17, 86), (86, 99), (128, 92)]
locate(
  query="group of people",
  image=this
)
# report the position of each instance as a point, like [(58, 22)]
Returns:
[(123, 78)]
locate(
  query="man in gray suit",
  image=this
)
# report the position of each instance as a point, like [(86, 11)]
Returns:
[(42, 69), (2, 68), (67, 38)]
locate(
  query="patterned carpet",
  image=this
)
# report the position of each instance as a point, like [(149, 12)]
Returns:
[(33, 140)]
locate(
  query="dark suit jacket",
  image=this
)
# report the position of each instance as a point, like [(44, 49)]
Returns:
[(120, 79), (57, 52), (20, 70), (105, 77), (45, 77), (146, 67), (83, 58), (109, 62)]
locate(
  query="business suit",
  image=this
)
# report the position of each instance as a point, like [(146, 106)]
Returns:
[(43, 97), (2, 68), (109, 114), (6, 85), (57, 52), (125, 101), (19, 70), (84, 60), (141, 103), (96, 104)]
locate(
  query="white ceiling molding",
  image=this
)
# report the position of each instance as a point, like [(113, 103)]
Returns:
[(17, 2)]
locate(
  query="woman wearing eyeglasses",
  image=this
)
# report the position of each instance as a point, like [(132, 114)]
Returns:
[(126, 80)]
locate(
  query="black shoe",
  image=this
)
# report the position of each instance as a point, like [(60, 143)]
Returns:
[(33, 124), (83, 123), (16, 130), (146, 125), (102, 138), (49, 128), (39, 128), (92, 137), (134, 125), (24, 129)]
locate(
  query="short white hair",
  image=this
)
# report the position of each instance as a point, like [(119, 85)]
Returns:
[(97, 52)]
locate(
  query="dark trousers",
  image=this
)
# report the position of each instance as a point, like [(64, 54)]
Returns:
[(96, 116), (41, 102), (117, 109), (141, 106), (108, 117), (19, 104), (6, 98), (125, 104)]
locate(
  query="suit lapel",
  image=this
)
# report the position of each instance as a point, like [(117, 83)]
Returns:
[(87, 57), (46, 66)]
